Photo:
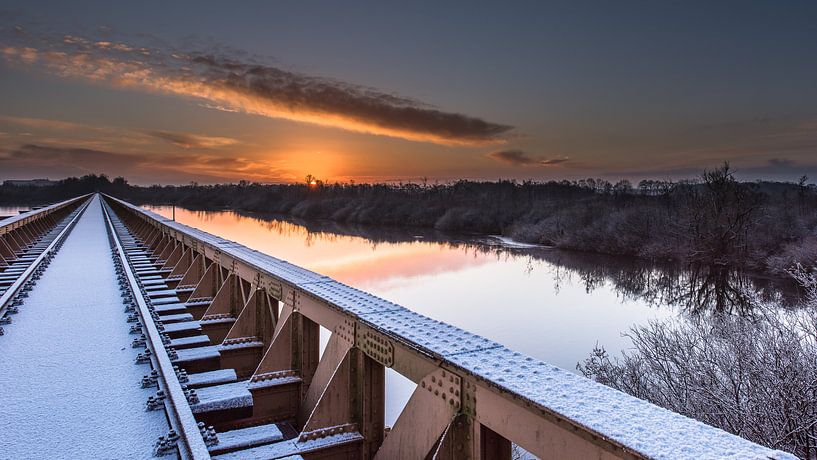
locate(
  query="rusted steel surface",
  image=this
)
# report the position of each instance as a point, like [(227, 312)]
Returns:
[(474, 397)]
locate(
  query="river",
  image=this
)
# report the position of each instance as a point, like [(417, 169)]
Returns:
[(9, 211), (551, 304)]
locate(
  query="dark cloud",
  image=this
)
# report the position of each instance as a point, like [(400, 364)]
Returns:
[(778, 169), (356, 104), (62, 160), (780, 163), (236, 82), (781, 169), (520, 158)]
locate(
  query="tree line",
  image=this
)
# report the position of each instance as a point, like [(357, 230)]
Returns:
[(714, 220)]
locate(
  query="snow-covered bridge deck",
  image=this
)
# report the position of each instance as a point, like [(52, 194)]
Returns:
[(225, 339), (68, 382)]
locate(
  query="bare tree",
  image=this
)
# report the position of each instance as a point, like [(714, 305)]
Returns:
[(754, 376)]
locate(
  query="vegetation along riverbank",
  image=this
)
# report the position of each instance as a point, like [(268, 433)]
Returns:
[(714, 220)]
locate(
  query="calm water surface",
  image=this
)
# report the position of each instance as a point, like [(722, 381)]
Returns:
[(8, 211), (510, 296), (551, 304)]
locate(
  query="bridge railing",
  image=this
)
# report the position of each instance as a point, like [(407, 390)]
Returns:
[(474, 397), (12, 223), (18, 235)]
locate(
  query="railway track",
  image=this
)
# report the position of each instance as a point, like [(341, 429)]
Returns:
[(186, 437), (190, 384)]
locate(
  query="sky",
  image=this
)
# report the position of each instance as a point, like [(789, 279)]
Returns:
[(173, 92)]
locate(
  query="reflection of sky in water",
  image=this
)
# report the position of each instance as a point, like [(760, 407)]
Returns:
[(8, 211), (512, 299)]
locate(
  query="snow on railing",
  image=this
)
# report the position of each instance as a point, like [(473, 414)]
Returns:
[(10, 223)]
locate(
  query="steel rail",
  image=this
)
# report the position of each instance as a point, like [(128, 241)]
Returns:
[(190, 445), (12, 291)]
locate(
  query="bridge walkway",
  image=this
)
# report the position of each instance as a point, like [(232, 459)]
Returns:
[(69, 387)]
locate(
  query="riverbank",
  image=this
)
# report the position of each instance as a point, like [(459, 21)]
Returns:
[(762, 226)]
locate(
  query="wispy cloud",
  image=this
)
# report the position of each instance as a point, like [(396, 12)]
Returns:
[(55, 161), (43, 123), (189, 141), (123, 136), (227, 83), (520, 158)]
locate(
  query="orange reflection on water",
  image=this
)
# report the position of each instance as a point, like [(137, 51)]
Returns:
[(349, 259), (398, 262)]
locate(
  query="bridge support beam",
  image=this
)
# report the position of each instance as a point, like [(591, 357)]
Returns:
[(226, 305), (422, 422), (173, 258), (250, 335), (206, 289)]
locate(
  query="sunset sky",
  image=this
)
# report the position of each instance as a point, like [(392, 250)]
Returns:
[(166, 92)]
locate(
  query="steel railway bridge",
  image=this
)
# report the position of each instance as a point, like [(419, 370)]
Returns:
[(229, 341)]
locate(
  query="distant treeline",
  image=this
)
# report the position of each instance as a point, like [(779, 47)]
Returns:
[(715, 220)]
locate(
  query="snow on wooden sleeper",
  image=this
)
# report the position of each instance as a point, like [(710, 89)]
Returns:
[(197, 353), (219, 397), (153, 282), (183, 326), (211, 378), (200, 340), (243, 438), (164, 300), (175, 318), (159, 292), (285, 449), (170, 307)]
